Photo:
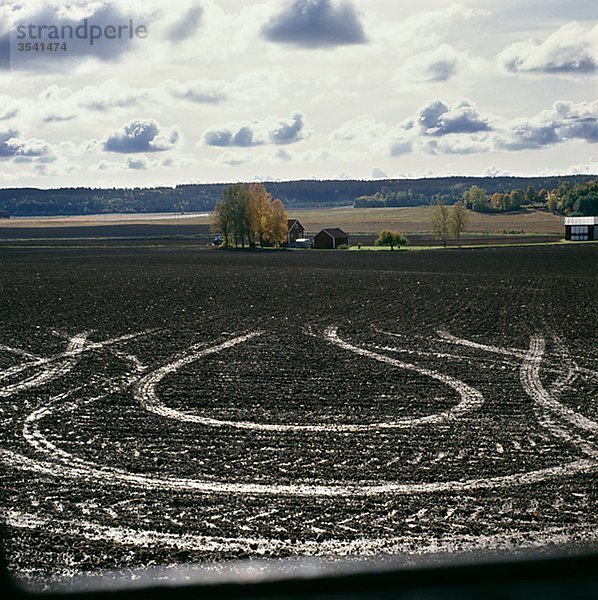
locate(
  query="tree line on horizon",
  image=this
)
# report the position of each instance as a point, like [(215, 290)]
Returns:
[(569, 199), (566, 199)]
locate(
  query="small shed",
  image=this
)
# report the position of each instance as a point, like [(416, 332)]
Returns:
[(581, 229), (331, 239), (296, 231)]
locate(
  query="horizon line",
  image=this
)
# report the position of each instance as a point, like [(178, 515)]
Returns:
[(278, 181)]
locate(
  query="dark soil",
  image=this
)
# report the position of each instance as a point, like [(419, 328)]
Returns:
[(104, 231), (392, 304)]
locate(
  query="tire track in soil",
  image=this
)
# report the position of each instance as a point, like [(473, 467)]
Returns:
[(126, 536), (261, 546), (75, 347), (77, 468), (543, 399), (532, 384), (118, 270), (514, 352), (19, 352), (146, 395)]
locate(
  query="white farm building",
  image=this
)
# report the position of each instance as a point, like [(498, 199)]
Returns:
[(581, 229)]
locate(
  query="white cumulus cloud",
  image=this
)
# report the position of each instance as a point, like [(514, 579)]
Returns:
[(572, 49)]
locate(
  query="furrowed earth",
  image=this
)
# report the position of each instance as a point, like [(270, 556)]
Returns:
[(172, 405)]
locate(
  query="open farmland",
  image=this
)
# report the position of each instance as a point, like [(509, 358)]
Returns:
[(362, 225), (353, 220), (417, 220), (173, 405)]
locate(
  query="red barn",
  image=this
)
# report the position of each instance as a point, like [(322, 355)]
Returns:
[(331, 239), (296, 231)]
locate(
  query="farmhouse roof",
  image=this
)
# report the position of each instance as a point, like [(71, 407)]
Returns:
[(581, 220), (292, 222), (334, 232)]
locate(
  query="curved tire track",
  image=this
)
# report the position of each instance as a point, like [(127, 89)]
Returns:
[(147, 396)]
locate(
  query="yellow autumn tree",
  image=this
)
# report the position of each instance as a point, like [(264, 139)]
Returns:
[(277, 230), (260, 212), (458, 220), (440, 223), (248, 214)]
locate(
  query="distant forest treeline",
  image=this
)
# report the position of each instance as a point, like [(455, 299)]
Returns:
[(294, 194)]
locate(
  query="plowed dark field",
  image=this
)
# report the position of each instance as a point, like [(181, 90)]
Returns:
[(161, 406)]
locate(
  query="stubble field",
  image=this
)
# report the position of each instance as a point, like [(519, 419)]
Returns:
[(362, 225), (173, 405)]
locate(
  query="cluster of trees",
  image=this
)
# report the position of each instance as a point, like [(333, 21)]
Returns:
[(566, 199), (450, 190), (446, 224), (477, 200), (404, 192), (577, 200), (570, 197), (375, 201), (247, 215), (449, 223), (387, 198), (392, 239)]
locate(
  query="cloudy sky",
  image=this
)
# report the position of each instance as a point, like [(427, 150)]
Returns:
[(228, 90)]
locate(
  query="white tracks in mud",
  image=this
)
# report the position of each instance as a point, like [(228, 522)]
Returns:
[(547, 408), (532, 362), (19, 352), (510, 352), (48, 369), (471, 399), (74, 468), (63, 464), (145, 390), (147, 396), (263, 546), (530, 378), (52, 461)]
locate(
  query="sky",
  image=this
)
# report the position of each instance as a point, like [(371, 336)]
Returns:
[(228, 90)]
